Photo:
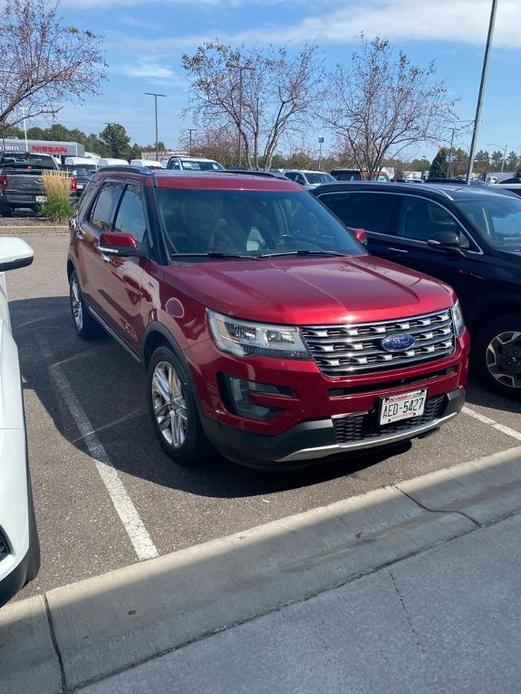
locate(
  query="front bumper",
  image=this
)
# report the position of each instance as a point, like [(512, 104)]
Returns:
[(319, 439)]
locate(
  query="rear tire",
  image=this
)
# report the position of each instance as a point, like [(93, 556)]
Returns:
[(173, 409), (497, 356), (85, 325)]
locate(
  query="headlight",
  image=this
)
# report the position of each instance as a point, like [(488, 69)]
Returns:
[(244, 339), (457, 317)]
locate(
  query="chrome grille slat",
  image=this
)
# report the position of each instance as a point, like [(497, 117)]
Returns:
[(351, 349)]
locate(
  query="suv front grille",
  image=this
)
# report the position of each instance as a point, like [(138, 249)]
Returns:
[(360, 427), (352, 349)]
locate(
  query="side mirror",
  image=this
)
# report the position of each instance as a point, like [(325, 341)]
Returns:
[(360, 235), (447, 240), (14, 254), (119, 243)]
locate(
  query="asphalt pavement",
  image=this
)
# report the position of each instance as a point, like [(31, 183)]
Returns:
[(107, 496)]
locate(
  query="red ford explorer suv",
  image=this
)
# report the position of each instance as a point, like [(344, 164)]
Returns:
[(266, 329)]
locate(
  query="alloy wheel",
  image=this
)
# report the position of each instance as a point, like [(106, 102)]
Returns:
[(169, 404), (77, 308), (503, 357)]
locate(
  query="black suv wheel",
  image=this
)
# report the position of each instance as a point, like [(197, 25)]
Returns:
[(497, 355)]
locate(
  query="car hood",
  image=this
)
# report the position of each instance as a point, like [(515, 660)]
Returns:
[(311, 291)]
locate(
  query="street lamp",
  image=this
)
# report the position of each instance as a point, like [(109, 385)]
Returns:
[(494, 144), (23, 109), (190, 131), (320, 143), (484, 69), (453, 131), (109, 128), (156, 95), (241, 68)]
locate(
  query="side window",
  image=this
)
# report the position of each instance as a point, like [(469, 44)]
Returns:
[(131, 214), (103, 211), (369, 211), (291, 175), (421, 220), (300, 179), (176, 165)]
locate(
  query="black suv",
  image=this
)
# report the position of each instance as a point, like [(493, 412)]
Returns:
[(467, 236)]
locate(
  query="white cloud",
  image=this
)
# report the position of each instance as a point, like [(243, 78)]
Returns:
[(150, 71)]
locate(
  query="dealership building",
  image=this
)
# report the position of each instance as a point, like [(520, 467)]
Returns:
[(57, 149)]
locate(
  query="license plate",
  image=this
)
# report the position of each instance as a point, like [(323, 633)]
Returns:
[(41, 198), (79, 186), (402, 406)]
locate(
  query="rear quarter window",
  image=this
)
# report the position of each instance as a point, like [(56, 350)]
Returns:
[(369, 211)]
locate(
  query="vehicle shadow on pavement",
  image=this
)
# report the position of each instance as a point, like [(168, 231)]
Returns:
[(477, 395), (109, 386)]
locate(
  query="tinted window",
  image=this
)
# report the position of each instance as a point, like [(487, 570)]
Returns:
[(249, 222), (498, 219), (422, 220), (103, 210), (291, 175), (131, 214), (347, 175), (196, 165), (319, 178), (368, 211)]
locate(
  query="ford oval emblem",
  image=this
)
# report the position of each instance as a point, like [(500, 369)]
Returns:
[(398, 342)]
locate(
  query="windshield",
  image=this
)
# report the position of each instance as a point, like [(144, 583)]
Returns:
[(197, 165), (498, 219), (28, 161), (250, 223), (319, 178)]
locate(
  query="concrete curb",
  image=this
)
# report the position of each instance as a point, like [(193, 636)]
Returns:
[(112, 622), (36, 230)]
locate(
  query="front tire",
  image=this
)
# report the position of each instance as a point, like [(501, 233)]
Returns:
[(497, 356), (173, 409), (84, 324)]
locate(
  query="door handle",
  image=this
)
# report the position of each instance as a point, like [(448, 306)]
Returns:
[(105, 258), (397, 250)]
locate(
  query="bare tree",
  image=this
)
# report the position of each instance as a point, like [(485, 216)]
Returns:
[(263, 93), (380, 104), (213, 142), (43, 62)]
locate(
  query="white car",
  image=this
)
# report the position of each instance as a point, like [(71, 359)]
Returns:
[(309, 179), (193, 164), (19, 546)]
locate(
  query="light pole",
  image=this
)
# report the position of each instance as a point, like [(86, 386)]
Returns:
[(494, 144), (109, 128), (156, 95), (241, 68), (190, 131), (481, 90), (453, 131), (23, 109), (320, 142)]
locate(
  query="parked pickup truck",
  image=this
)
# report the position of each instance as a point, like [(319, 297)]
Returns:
[(21, 183)]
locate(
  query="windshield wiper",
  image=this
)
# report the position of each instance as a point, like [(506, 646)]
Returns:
[(302, 251), (214, 254)]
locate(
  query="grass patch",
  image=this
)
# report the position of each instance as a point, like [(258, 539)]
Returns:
[(57, 186)]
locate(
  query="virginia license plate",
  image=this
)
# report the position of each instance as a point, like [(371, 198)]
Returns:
[(402, 406), (41, 198)]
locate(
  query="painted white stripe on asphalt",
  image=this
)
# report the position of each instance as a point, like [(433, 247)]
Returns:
[(136, 531), (491, 422)]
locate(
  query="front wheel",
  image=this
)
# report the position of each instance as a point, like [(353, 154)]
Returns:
[(497, 356), (173, 409), (85, 324)]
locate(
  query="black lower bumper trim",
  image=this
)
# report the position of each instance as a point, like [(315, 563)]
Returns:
[(312, 440), (14, 581)]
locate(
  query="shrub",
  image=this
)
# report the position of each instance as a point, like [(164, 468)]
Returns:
[(57, 186)]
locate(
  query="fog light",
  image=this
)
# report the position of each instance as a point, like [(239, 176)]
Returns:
[(236, 393)]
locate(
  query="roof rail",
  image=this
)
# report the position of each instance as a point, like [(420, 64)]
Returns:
[(124, 168)]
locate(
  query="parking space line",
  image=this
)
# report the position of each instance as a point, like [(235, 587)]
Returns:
[(491, 422), (127, 512)]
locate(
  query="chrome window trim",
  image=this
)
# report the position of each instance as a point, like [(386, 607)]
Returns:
[(410, 195)]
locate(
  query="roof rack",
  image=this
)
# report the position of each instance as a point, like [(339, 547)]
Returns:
[(127, 168)]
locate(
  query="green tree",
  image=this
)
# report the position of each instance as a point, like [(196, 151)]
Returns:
[(115, 137), (135, 151), (496, 159), (440, 166), (419, 165), (482, 162), (512, 161)]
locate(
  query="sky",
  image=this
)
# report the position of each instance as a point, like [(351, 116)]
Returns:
[(144, 41)]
